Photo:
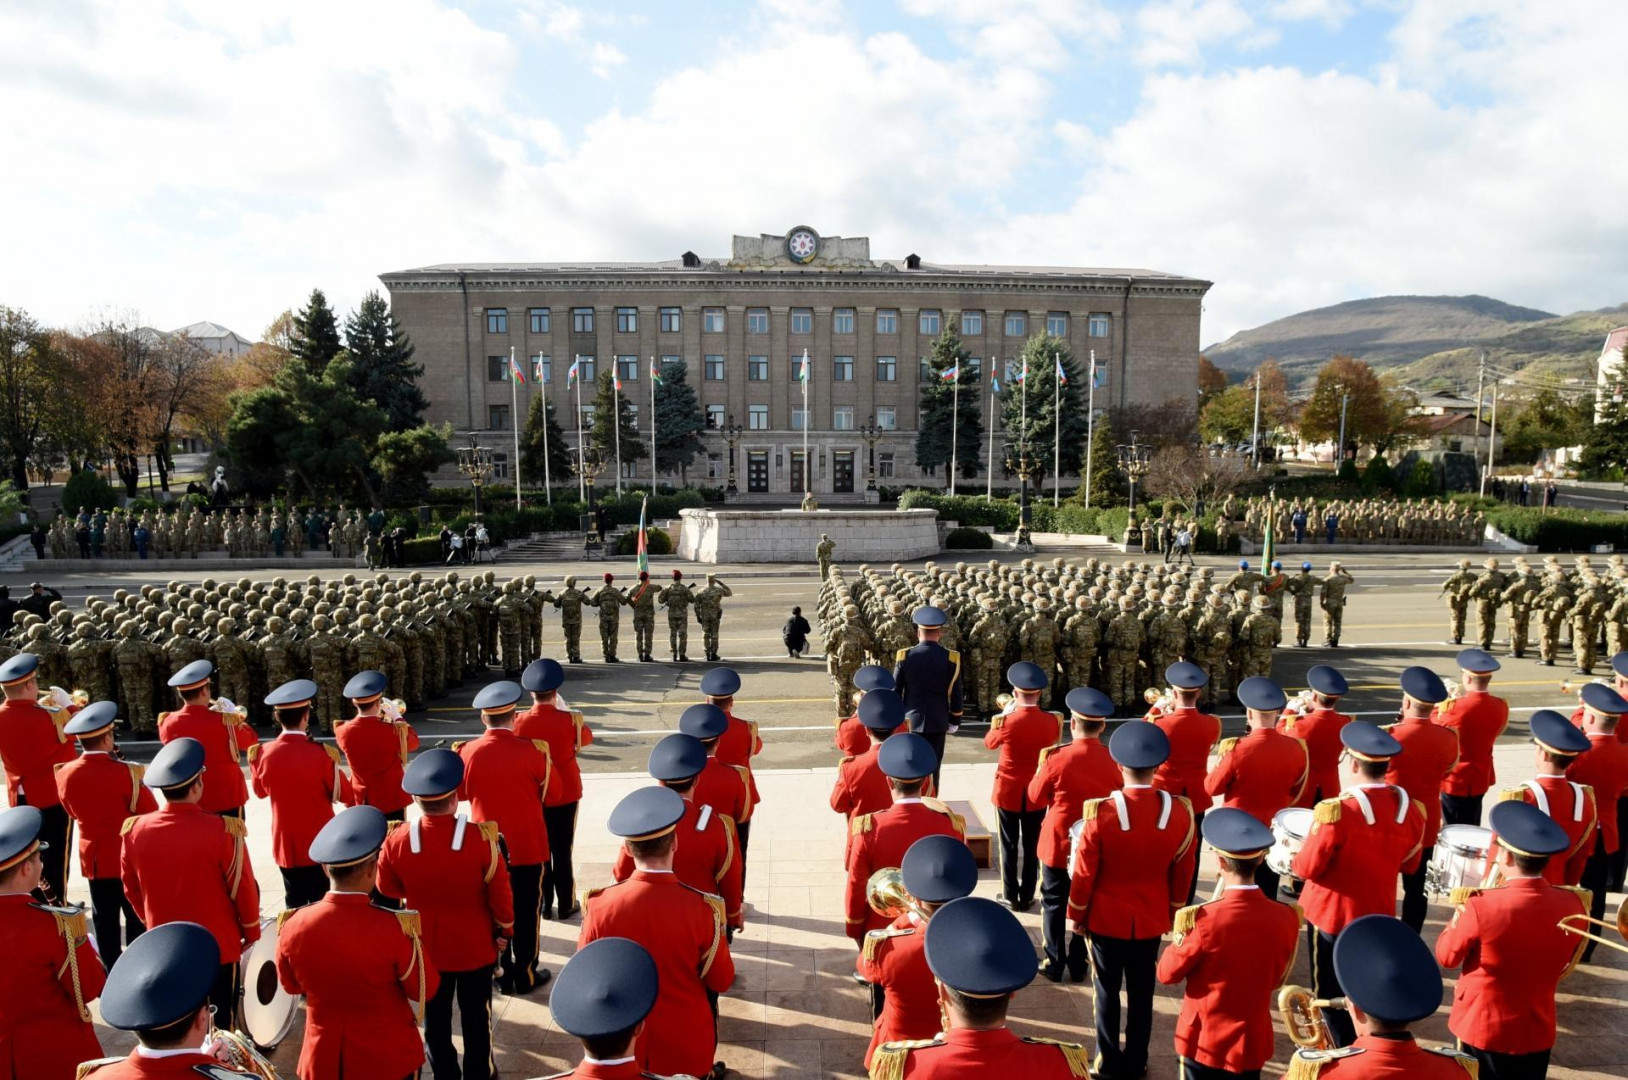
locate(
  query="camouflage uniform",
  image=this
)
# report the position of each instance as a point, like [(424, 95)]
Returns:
[(1212, 638), (330, 666), (1333, 601), (570, 601), (1303, 588), (1519, 594), (709, 612), (846, 655), (1487, 591), (1554, 602), (230, 656), (642, 599), (512, 616), (822, 553), (676, 599), (133, 658), (609, 600), (1124, 641), (1457, 591), (1080, 645), (89, 658)]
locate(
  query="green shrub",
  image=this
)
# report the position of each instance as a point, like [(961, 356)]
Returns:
[(968, 538), (1378, 478), (86, 490), (1562, 529), (660, 542), (964, 509), (422, 550), (1421, 484)]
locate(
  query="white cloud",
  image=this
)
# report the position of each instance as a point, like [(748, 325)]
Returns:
[(603, 59), (1174, 33), (1329, 12)]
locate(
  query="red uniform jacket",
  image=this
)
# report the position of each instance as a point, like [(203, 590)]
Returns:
[(224, 736), (852, 738), (376, 750), (1021, 736), (963, 1052), (1604, 767), (738, 745), (136, 1067), (1350, 865), (1067, 777), (1373, 1057), (183, 864), (1577, 721), (451, 872), (683, 931), (506, 779), (31, 745), (1192, 734), (100, 792), (42, 1035), (880, 840), (1234, 953), (861, 788), (1514, 955), (1134, 863), (705, 858), (565, 733), (1479, 718), (1429, 753), (1261, 773), (894, 959), (365, 980), (1320, 731), (725, 788), (602, 1070), (303, 780), (1572, 807)]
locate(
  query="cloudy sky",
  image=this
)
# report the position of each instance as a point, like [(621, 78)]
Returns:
[(194, 159)]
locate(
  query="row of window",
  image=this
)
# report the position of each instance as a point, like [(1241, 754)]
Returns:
[(886, 417), (713, 368), (1015, 323)]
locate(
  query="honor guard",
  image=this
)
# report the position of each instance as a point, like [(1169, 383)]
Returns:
[(1391, 982), (1068, 777), (1131, 872), (1264, 771), (361, 968), (740, 742), (1513, 948), (602, 997), (851, 737), (507, 779), (1479, 718), (376, 748), (52, 972), (1605, 769), (303, 780), (1192, 734), (100, 792), (181, 864), (723, 787), (1233, 953), (1319, 729), (1359, 843), (1569, 804), (566, 732), (1429, 754), (981, 957), (706, 856), (928, 678), (1021, 735), (224, 736), (681, 929), (862, 787), (33, 741), (450, 871), (936, 870), (880, 840)]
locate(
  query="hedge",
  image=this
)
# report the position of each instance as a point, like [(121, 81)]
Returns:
[(1561, 529), (966, 537), (660, 542)]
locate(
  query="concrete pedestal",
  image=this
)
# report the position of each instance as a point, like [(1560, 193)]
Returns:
[(735, 536)]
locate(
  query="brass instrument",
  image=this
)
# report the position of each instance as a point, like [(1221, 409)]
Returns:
[(1574, 924), (227, 705), (238, 1052), (1303, 1017), (392, 708), (1158, 701), (55, 699), (886, 894)]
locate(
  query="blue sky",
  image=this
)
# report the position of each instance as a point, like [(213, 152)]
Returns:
[(194, 160)]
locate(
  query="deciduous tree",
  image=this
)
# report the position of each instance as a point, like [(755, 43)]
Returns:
[(32, 383), (1377, 413), (1211, 380)]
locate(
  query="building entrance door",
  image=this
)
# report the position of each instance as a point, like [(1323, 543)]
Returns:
[(757, 470), (842, 470), (799, 475)]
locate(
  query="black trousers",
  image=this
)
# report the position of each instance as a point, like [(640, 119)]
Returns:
[(56, 832), (1619, 859), (235, 811), (1198, 830), (1414, 904), (1597, 879), (303, 885), (1496, 1066), (226, 995), (935, 739), (1020, 865), (473, 992), (520, 958), (1326, 984), (559, 882), (1127, 963), (1054, 884), (1461, 809), (743, 833), (1192, 1070), (107, 904)]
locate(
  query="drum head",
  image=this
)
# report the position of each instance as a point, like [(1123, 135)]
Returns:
[(1295, 821), (1468, 839), (268, 1009)]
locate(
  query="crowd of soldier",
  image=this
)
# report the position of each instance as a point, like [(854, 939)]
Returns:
[(184, 534), (1589, 605), (1355, 521)]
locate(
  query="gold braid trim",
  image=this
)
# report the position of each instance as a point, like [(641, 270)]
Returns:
[(576, 726), (1326, 812), (1225, 747), (1512, 795), (401, 737), (1186, 919), (87, 1068), (860, 824), (136, 773), (874, 939), (887, 1063), (254, 753), (1044, 754), (1088, 811), (719, 917), (1073, 1053), (71, 925), (231, 721), (129, 823), (729, 847), (283, 917), (1465, 1061), (1462, 894), (238, 830), (412, 926), (489, 833)]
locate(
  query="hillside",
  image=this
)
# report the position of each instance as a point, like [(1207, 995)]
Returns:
[(1565, 347)]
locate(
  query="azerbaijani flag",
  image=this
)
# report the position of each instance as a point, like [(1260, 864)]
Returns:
[(1268, 550), (571, 373), (1023, 372), (515, 372), (995, 383), (802, 369), (644, 542), (616, 377), (655, 372), (951, 373), (1062, 376), (537, 367), (1099, 375)]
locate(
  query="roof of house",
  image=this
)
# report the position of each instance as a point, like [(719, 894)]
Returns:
[(208, 330)]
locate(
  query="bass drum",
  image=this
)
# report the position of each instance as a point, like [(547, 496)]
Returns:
[(268, 1010), (1460, 859), (1289, 831)]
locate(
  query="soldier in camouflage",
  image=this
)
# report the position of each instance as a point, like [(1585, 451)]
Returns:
[(609, 601), (709, 612), (570, 600)]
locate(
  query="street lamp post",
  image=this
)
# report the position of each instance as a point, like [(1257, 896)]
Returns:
[(475, 462), (1133, 462), (871, 435), (588, 463), (732, 435), (1021, 460)]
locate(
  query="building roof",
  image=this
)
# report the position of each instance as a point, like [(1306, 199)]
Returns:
[(1615, 342), (1439, 425), (1443, 399), (208, 330), (717, 265)]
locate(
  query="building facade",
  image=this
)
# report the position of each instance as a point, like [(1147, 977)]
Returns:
[(742, 325)]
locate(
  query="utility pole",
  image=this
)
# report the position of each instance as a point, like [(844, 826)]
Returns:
[(1339, 451), (1255, 435), (1492, 438), (1480, 386)]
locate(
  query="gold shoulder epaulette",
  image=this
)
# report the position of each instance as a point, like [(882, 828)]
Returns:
[(1512, 795), (1187, 918), (1073, 1053), (1326, 812), (1461, 895), (163, 716), (392, 826), (899, 655), (488, 830), (1225, 746), (1046, 753), (887, 1063), (335, 753), (129, 823), (253, 752), (845, 759), (86, 1068), (542, 744), (70, 922), (1585, 895), (1308, 1064), (876, 937), (1468, 1063), (860, 824), (1088, 812), (236, 827), (955, 655), (283, 917), (459, 745), (411, 925), (997, 721)]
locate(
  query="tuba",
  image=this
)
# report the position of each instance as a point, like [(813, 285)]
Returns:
[(1303, 1017), (238, 1052), (886, 894), (1577, 924)]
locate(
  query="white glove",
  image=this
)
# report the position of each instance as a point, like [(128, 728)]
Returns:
[(58, 698), (226, 705), (392, 709)]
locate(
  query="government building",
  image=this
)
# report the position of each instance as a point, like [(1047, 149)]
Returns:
[(742, 324)]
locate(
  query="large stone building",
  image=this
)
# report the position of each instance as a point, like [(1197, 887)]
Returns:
[(742, 324)]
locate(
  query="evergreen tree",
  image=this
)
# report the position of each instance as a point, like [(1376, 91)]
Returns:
[(1042, 353), (604, 437), (538, 420), (1105, 478), (382, 368), (316, 335), (939, 413), (678, 421), (1605, 443)]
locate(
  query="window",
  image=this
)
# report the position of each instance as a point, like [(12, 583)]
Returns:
[(586, 369), (627, 368), (887, 418), (884, 466), (665, 360), (715, 416), (582, 320), (931, 322), (500, 466), (497, 368), (842, 418), (671, 320), (539, 320), (887, 368), (802, 320), (1099, 326), (887, 321), (799, 418), (497, 417), (842, 320), (795, 366), (842, 369), (1057, 323), (712, 320), (714, 368), (633, 411), (497, 320), (757, 320), (587, 417), (630, 469), (972, 322), (627, 320), (542, 368), (757, 418), (715, 466), (975, 365), (929, 470), (757, 369), (1015, 323)]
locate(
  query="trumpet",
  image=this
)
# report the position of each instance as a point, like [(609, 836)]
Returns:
[(239, 1053), (1303, 1017), (1576, 924), (227, 705), (887, 896), (393, 708), (56, 699), (1159, 702)]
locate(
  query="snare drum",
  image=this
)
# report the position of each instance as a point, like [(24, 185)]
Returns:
[(1075, 831), (268, 1010), (1289, 831), (1460, 859)]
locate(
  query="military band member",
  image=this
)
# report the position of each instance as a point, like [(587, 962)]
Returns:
[(1569, 804), (1021, 735), (1233, 953), (303, 780), (1605, 769), (361, 968), (1319, 729), (33, 741), (52, 972), (725, 788), (376, 748), (861, 786), (1430, 752), (928, 677), (180, 864), (224, 736), (852, 738), (1264, 771), (449, 870), (1479, 717), (1509, 942), (1192, 734), (682, 930), (1131, 872), (603, 995), (1619, 860), (981, 957), (739, 744), (566, 732), (1359, 843), (1069, 776)]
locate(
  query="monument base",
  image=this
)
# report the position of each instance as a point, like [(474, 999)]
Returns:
[(731, 536)]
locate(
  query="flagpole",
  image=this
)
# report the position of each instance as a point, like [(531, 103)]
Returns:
[(616, 420), (1056, 422), (514, 416), (548, 481), (1090, 422), (808, 473), (989, 466), (582, 461), (955, 421), (652, 425)]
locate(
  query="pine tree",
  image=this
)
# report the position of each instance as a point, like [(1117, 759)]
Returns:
[(382, 368), (603, 437), (1105, 478), (1042, 354), (316, 334), (939, 413), (678, 421), (532, 472)]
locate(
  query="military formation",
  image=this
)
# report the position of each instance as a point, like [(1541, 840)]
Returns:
[(1355, 521), (1582, 608), (185, 534)]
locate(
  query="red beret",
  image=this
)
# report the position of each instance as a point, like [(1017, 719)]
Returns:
[(678, 575), (610, 578)]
